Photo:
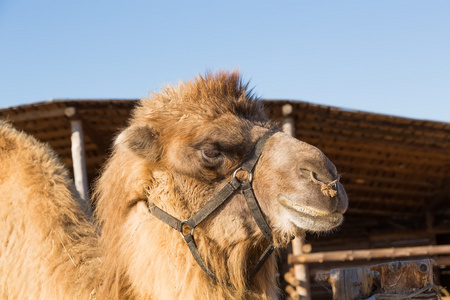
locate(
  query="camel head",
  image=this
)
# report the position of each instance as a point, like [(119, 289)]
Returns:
[(199, 134), (184, 144)]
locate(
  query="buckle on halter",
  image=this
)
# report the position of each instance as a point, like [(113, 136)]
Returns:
[(183, 229), (247, 177)]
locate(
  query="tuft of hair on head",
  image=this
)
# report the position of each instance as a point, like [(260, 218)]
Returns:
[(207, 96)]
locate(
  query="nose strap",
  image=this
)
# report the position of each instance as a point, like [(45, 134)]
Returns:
[(256, 212), (196, 219), (255, 209), (251, 160), (215, 202)]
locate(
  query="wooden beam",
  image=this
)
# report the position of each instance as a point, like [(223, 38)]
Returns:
[(301, 272), (364, 178), (369, 254), (407, 234), (361, 167), (357, 161), (388, 132), (319, 132), (382, 213), (303, 288), (79, 163), (387, 154), (52, 135), (392, 201), (34, 115), (382, 190)]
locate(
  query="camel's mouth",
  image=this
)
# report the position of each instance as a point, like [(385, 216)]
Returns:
[(303, 209), (309, 218)]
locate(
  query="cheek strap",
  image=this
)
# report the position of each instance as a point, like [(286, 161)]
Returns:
[(186, 227)]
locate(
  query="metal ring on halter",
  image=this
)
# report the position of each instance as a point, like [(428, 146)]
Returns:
[(181, 228), (250, 175)]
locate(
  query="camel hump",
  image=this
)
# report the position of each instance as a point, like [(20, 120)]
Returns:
[(29, 166), (41, 220)]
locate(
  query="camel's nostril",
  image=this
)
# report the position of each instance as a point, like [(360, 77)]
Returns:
[(328, 189), (328, 182), (324, 177)]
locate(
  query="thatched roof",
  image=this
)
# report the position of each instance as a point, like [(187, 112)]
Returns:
[(395, 170)]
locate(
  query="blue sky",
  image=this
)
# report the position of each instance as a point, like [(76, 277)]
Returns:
[(385, 56)]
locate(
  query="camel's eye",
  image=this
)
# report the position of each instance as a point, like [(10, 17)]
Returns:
[(210, 154), (212, 157)]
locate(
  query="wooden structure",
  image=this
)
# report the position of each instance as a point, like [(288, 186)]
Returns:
[(395, 170), (408, 280)]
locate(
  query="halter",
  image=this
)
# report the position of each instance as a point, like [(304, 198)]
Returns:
[(186, 227)]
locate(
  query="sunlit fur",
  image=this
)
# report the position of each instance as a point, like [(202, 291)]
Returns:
[(162, 266), (50, 249)]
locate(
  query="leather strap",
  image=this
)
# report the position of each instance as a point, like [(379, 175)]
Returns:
[(253, 205), (251, 160), (214, 203), (165, 217), (256, 212), (262, 259), (232, 186), (198, 258)]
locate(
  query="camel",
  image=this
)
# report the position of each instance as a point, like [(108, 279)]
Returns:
[(200, 191)]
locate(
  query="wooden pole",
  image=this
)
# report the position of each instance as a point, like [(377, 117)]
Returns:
[(354, 255), (301, 270), (288, 122), (79, 159)]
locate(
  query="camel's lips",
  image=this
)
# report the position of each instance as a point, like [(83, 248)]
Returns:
[(334, 218), (301, 208)]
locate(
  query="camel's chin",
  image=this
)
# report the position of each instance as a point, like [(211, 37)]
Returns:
[(308, 218)]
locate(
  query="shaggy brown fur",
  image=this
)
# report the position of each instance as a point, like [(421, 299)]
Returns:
[(48, 249), (181, 146)]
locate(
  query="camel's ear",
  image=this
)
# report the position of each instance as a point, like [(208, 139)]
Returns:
[(141, 140)]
